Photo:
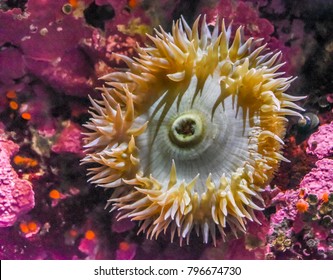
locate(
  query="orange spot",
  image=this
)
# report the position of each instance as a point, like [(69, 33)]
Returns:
[(11, 94), (302, 206), (132, 3), (325, 197), (26, 116), (32, 226), (90, 235), (18, 160), (29, 229), (74, 3), (26, 161), (54, 194), (13, 105), (124, 246), (302, 193), (24, 227)]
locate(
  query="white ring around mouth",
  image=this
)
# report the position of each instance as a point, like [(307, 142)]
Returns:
[(221, 148)]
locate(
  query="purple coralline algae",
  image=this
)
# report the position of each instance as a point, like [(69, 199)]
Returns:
[(318, 182), (320, 179), (320, 143), (302, 225), (69, 140), (16, 195), (42, 43)]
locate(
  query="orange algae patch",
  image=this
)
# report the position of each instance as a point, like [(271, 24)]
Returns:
[(11, 94), (29, 228), (13, 105), (24, 227), (26, 116), (32, 226), (133, 3), (74, 3), (90, 235), (54, 194), (302, 206), (325, 197), (124, 246), (26, 161)]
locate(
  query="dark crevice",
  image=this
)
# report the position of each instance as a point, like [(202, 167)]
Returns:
[(11, 4), (97, 15)]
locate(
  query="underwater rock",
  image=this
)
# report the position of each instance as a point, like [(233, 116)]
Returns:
[(16, 195), (69, 140), (40, 40), (320, 179), (320, 143), (302, 225)]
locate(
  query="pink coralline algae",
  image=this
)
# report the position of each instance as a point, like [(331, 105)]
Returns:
[(16, 195), (40, 42), (317, 182), (320, 143), (54, 45), (69, 140), (320, 180), (305, 215), (302, 225)]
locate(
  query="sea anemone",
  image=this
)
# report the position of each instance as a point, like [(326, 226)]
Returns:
[(191, 134)]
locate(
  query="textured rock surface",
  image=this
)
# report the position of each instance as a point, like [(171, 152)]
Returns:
[(320, 143), (69, 140), (16, 195)]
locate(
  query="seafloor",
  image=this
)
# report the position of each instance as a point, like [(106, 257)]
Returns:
[(52, 53)]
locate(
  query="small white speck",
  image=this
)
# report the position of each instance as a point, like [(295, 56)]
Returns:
[(33, 28), (26, 38), (43, 31)]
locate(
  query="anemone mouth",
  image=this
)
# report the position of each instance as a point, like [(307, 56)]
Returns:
[(190, 135), (187, 130)]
